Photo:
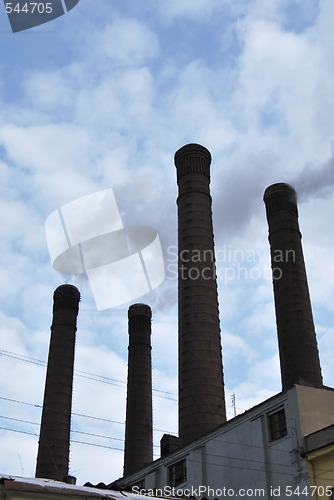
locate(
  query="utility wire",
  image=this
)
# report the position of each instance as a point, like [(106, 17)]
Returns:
[(101, 419), (91, 376), (222, 441), (72, 430), (83, 374), (222, 466), (73, 440)]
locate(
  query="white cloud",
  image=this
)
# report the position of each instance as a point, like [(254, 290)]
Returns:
[(51, 93), (126, 42), (48, 147), (236, 347), (199, 11)]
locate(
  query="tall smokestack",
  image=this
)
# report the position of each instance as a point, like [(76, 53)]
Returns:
[(297, 342), (139, 428), (54, 438), (201, 384)]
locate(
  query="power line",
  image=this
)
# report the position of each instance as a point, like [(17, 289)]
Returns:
[(222, 466), (83, 374), (16, 430), (101, 419), (220, 456), (73, 440), (223, 441), (72, 430), (91, 376)]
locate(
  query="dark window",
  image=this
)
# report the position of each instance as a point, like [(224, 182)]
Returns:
[(177, 473), (277, 425), (332, 495)]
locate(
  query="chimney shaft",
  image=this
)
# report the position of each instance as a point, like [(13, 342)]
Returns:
[(54, 439), (297, 342), (201, 385), (139, 428)]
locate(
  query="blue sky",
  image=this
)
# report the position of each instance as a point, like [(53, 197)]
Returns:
[(102, 97)]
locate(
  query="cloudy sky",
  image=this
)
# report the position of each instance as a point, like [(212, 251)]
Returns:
[(101, 98)]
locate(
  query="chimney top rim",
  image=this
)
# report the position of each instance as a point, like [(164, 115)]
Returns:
[(139, 309), (67, 290), (192, 149), (278, 187)]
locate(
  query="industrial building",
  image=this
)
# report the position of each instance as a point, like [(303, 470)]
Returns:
[(283, 447), (279, 447), (262, 449)]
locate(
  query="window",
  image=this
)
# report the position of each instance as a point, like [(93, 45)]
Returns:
[(177, 473), (277, 425)]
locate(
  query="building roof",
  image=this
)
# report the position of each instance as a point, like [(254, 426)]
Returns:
[(45, 487), (319, 439)]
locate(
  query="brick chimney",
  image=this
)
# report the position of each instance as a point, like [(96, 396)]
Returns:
[(54, 438), (297, 342), (201, 385), (139, 427)]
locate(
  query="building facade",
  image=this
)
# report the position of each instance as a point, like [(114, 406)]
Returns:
[(258, 453)]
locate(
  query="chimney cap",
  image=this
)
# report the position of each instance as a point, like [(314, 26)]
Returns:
[(66, 296), (280, 196), (279, 187), (192, 149), (67, 290), (139, 310)]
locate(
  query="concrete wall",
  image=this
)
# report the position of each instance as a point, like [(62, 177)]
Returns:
[(315, 408)]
